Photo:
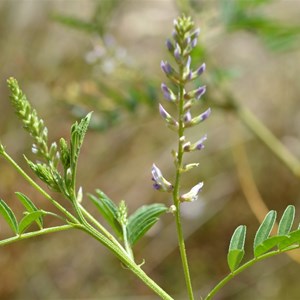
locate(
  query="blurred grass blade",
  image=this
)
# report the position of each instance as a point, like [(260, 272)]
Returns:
[(9, 216), (265, 229), (74, 23), (236, 247), (108, 210), (287, 220), (30, 207), (142, 220), (29, 219)]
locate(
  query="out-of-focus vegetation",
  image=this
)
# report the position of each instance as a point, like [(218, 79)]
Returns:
[(75, 56)]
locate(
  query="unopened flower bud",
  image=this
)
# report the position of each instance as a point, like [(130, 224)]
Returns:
[(160, 183), (200, 118), (187, 118), (168, 93), (79, 195), (177, 53), (34, 149), (192, 195), (189, 167), (166, 67), (170, 46), (187, 74), (199, 71), (122, 213), (188, 147), (168, 118), (172, 209)]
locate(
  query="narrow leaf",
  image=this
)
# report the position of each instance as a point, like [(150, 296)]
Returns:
[(138, 232), (287, 220), (265, 228), (236, 247), (108, 210), (268, 244), (30, 207), (29, 219), (142, 220), (9, 216)]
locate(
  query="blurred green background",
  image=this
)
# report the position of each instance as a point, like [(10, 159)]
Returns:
[(74, 56)]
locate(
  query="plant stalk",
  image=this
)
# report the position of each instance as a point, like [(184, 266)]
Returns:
[(176, 195), (243, 267)]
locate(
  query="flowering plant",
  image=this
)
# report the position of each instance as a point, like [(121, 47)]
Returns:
[(56, 165)]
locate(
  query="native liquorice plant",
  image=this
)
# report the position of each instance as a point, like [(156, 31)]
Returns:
[(56, 165)]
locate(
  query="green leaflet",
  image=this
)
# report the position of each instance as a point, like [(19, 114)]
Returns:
[(136, 225), (287, 220), (30, 207), (292, 238), (268, 244), (29, 219), (264, 229), (142, 220), (9, 216), (108, 210), (236, 248)]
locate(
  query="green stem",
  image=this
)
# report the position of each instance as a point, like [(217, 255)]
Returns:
[(176, 199), (99, 226), (110, 244), (28, 235), (127, 261), (126, 243), (241, 269), (38, 188)]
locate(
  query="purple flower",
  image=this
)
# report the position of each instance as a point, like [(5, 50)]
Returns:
[(166, 67), (188, 147), (167, 117), (199, 144), (195, 34), (187, 117), (169, 45), (160, 183), (201, 117), (192, 195), (194, 42), (199, 71), (177, 53), (168, 94), (197, 93)]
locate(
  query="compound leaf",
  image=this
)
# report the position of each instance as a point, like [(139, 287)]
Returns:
[(108, 210), (236, 248), (142, 220), (9, 216), (30, 207)]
